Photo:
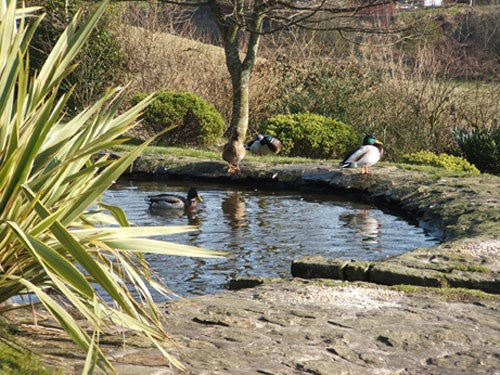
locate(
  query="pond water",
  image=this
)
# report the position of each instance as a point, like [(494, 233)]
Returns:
[(263, 231)]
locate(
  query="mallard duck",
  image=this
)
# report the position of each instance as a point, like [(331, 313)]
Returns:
[(364, 156), (173, 201), (233, 152), (264, 144)]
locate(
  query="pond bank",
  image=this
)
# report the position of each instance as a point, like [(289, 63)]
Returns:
[(324, 326), (465, 209)]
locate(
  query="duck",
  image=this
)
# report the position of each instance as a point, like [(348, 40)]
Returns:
[(364, 156), (173, 201), (233, 152), (264, 144)]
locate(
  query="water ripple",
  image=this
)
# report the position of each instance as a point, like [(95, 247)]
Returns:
[(263, 231)]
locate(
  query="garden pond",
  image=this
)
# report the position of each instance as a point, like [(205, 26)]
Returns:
[(263, 231)]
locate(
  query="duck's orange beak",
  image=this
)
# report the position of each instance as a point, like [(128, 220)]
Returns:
[(378, 143), (198, 196)]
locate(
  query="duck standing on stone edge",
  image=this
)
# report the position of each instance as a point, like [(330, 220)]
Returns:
[(172, 201), (264, 144), (364, 156), (233, 152)]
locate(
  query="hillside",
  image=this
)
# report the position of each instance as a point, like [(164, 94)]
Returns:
[(466, 39), (451, 54)]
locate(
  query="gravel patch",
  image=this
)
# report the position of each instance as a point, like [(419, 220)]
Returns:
[(346, 297)]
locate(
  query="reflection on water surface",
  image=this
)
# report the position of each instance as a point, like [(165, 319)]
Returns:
[(264, 231)]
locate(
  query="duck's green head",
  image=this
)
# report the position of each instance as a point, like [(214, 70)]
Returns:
[(369, 139), (266, 139), (193, 194)]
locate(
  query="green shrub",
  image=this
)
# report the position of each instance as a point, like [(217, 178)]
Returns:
[(101, 62), (481, 147), (330, 91), (197, 122), (311, 135), (445, 161)]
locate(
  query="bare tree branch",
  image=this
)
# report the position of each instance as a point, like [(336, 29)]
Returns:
[(242, 23)]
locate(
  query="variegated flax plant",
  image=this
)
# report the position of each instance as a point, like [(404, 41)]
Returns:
[(56, 241)]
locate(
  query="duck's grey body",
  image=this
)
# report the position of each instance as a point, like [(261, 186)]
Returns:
[(173, 201), (166, 201)]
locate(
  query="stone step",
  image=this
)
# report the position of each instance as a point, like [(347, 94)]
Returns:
[(389, 273)]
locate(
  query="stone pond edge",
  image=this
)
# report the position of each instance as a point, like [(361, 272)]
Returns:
[(467, 213)]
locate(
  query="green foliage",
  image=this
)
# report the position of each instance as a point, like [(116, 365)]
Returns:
[(101, 60), (58, 240), (311, 135), (480, 147), (196, 122), (445, 161), (18, 361), (329, 91)]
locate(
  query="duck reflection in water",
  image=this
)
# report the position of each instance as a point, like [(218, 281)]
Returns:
[(364, 225), (233, 207), (193, 219)]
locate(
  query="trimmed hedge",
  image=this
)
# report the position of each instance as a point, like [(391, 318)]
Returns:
[(196, 122), (445, 161), (311, 135)]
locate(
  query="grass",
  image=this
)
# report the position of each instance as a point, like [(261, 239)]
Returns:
[(279, 160), (471, 268), (213, 155), (435, 171), (17, 361), (448, 294), (472, 84)]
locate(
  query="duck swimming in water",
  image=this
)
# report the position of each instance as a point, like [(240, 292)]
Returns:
[(264, 144), (364, 156), (173, 201)]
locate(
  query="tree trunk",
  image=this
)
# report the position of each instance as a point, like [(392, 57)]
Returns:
[(240, 70), (239, 116)]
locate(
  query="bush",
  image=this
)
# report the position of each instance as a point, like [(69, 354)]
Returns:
[(101, 61), (330, 90), (481, 147), (445, 161), (197, 122), (311, 135)]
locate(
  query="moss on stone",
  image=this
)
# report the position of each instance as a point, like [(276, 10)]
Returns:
[(471, 268), (447, 294), (16, 360)]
